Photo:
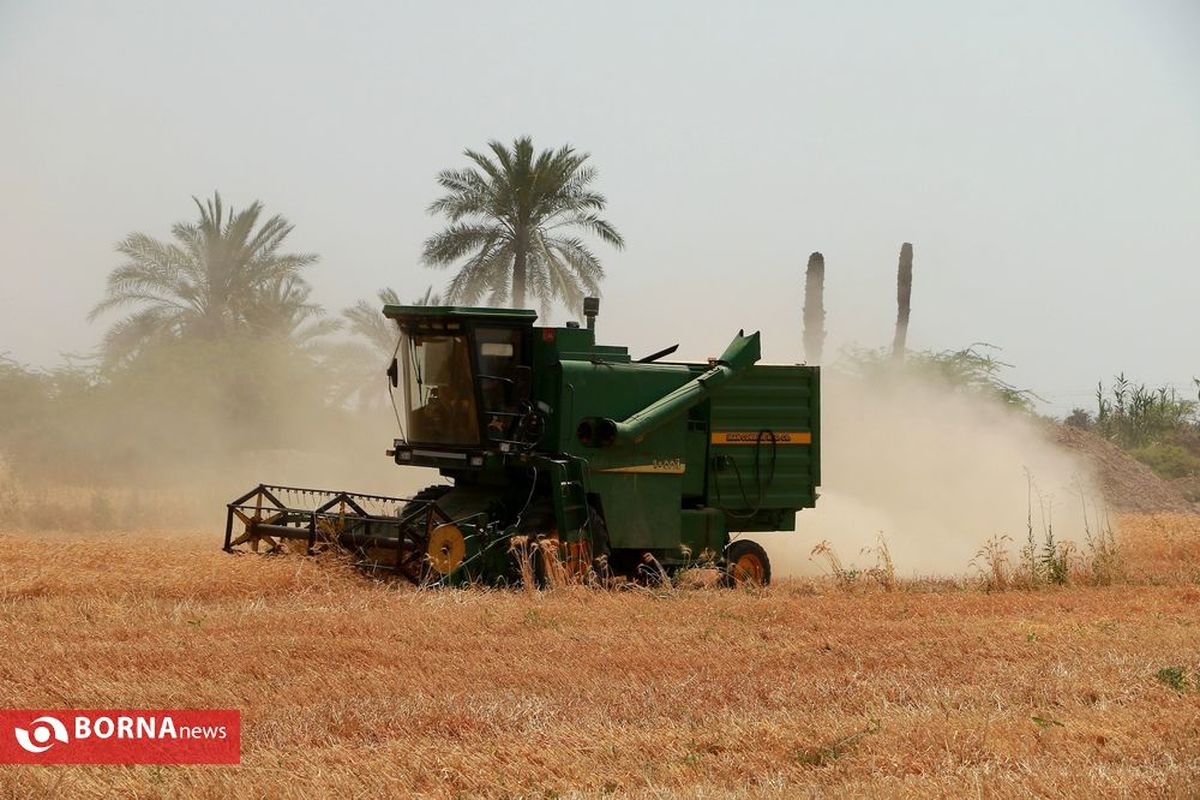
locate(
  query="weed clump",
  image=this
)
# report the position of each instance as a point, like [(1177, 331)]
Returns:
[(1176, 678)]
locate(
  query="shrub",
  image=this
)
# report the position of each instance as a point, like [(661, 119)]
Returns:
[(1168, 460), (1158, 426), (1175, 677), (971, 370)]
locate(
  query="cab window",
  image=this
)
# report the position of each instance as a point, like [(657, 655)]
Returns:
[(498, 355), (440, 400)]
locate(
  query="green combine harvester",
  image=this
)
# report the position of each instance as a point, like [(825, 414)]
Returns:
[(567, 450)]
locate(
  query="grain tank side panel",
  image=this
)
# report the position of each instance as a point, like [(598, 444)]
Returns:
[(764, 446), (640, 485)]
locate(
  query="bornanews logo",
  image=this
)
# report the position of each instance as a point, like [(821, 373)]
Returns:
[(45, 736)]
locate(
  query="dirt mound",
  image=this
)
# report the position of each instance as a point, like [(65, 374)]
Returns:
[(1128, 484), (1190, 487)]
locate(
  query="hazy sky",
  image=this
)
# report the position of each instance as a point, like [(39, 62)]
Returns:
[(1043, 157)]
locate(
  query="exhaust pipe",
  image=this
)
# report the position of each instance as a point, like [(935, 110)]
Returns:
[(591, 310)]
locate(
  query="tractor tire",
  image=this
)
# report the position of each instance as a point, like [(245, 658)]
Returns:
[(746, 564), (430, 493), (414, 562)]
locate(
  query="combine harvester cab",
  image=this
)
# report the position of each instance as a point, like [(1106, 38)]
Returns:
[(552, 443)]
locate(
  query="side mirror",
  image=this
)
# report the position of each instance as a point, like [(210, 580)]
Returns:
[(522, 384), (393, 373)]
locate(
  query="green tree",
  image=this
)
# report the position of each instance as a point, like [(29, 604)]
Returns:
[(217, 276), (511, 217)]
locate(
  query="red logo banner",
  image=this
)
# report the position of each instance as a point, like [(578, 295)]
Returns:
[(120, 736)]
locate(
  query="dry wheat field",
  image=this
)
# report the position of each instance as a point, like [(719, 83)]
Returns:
[(354, 688)]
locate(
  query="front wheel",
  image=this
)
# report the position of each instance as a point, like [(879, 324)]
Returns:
[(746, 564)]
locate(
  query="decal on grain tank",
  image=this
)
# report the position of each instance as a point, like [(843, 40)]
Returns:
[(660, 466), (765, 437)]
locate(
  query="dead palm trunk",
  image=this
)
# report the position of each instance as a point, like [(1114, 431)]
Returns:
[(903, 301), (814, 309)]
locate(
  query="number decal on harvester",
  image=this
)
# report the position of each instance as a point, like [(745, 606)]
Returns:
[(765, 437), (658, 466)]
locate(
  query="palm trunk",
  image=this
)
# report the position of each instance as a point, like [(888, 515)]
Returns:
[(903, 301), (520, 259), (814, 308)]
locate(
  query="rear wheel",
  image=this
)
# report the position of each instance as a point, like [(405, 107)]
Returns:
[(746, 564)]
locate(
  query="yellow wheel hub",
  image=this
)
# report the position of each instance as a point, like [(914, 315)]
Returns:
[(447, 548), (748, 569)]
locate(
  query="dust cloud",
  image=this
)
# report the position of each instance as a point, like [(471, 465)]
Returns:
[(937, 472), (169, 440), (169, 443)]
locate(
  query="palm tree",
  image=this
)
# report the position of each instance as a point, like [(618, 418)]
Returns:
[(367, 322), (511, 216), (357, 367), (366, 319), (214, 278), (282, 309)]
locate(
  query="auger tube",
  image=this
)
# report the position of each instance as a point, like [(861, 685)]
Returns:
[(741, 353)]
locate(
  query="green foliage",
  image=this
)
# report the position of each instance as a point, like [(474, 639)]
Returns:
[(1080, 418), (1046, 722), (220, 276), (172, 408), (1046, 561), (1157, 426), (1168, 460), (1104, 559), (1055, 559), (510, 215), (971, 370), (1029, 560), (1134, 416), (1175, 677)]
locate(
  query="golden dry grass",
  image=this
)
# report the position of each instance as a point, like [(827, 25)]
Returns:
[(357, 689), (1161, 548)]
